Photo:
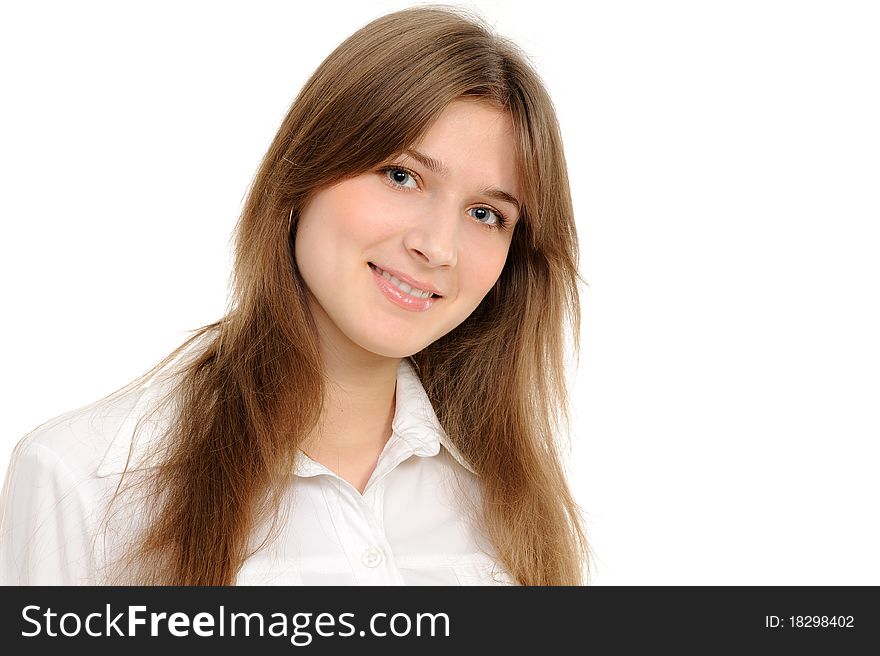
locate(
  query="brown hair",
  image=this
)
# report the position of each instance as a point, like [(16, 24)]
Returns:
[(252, 394)]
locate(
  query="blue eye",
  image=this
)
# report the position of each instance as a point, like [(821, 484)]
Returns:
[(400, 177), (485, 216)]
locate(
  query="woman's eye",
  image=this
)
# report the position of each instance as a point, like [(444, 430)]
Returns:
[(401, 178), (487, 216)]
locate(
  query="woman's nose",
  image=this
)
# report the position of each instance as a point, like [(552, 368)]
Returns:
[(433, 237)]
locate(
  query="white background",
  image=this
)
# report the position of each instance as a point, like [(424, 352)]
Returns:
[(725, 160)]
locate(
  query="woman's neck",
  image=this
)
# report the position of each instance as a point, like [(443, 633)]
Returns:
[(359, 403), (359, 406)]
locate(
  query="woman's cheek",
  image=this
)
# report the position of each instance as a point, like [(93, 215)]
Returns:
[(489, 268)]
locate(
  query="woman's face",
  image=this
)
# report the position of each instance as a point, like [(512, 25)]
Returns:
[(431, 217)]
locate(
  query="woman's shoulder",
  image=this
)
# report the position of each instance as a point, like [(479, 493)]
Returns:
[(53, 494), (87, 439), (113, 433)]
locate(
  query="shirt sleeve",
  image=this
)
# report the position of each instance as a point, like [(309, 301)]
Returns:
[(44, 525)]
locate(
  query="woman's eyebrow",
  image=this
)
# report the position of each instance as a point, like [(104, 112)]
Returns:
[(438, 168), (433, 165)]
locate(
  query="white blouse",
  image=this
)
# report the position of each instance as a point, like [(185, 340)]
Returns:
[(408, 528)]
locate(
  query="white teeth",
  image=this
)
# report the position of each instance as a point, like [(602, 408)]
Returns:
[(404, 287)]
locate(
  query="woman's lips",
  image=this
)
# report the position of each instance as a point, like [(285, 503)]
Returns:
[(409, 280), (400, 297)]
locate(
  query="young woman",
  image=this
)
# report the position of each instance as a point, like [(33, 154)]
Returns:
[(382, 403)]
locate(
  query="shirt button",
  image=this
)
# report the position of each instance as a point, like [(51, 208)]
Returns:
[(371, 557)]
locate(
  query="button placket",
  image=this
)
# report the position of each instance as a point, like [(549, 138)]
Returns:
[(374, 502), (376, 556), (361, 537), (373, 555)]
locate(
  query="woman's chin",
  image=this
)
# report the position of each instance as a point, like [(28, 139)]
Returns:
[(394, 350)]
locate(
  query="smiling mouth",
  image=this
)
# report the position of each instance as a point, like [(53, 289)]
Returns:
[(406, 288)]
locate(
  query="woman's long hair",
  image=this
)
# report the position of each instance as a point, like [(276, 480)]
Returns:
[(497, 381)]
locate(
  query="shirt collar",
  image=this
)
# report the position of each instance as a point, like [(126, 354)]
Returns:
[(415, 423)]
